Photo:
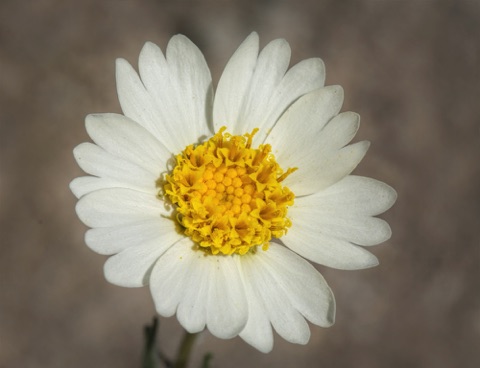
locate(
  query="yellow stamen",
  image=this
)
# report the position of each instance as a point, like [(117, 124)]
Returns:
[(228, 196)]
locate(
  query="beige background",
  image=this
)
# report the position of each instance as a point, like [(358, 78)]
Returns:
[(410, 68)]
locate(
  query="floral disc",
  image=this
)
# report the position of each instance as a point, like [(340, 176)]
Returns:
[(228, 196)]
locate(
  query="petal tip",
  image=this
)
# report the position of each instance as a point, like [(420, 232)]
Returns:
[(77, 151), (73, 186), (252, 38), (373, 262), (393, 195), (337, 90), (150, 45), (121, 63), (331, 312), (365, 144)]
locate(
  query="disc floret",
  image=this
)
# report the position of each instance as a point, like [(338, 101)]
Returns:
[(228, 196)]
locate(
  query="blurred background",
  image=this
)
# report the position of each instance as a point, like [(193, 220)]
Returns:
[(410, 68)]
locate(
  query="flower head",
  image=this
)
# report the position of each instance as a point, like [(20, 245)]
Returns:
[(217, 201)]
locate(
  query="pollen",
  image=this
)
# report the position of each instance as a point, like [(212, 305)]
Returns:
[(228, 196)]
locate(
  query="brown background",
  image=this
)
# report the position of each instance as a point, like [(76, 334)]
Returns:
[(410, 68)]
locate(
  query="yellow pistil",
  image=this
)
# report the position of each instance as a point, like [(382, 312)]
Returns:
[(228, 196)]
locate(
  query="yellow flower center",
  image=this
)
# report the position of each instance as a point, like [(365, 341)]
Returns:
[(228, 196)]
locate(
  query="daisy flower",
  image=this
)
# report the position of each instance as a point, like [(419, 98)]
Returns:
[(217, 201)]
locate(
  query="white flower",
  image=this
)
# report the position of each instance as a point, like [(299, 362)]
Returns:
[(215, 201)]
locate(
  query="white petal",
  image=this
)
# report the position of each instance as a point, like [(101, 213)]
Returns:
[(112, 240), (358, 230), (304, 77), (319, 170), (192, 308), (234, 82), (287, 321), (179, 90), (155, 76), (138, 104), (96, 161), (354, 194), (192, 86), (227, 305), (87, 184), (340, 130), (310, 138), (289, 287), (343, 210), (170, 276), (304, 120), (132, 266), (310, 242), (183, 277), (253, 93), (258, 330), (303, 284), (328, 160), (271, 66), (125, 139), (118, 207)]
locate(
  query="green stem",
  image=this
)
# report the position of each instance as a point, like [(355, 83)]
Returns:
[(150, 357), (185, 350), (206, 360)]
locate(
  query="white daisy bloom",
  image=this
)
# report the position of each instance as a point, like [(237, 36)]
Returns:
[(217, 201)]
